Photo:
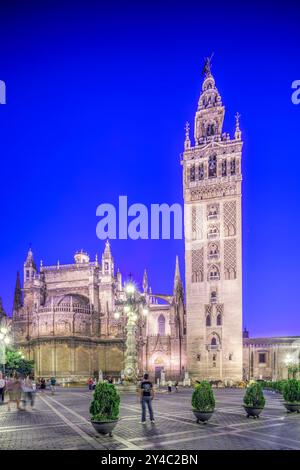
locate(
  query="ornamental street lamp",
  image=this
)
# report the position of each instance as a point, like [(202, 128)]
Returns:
[(134, 307), (4, 341)]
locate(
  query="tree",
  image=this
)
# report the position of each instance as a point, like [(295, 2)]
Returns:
[(15, 361)]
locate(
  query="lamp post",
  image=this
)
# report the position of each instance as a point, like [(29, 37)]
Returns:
[(134, 307), (4, 341)]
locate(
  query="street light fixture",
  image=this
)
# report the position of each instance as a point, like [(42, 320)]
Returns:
[(134, 307), (4, 341)]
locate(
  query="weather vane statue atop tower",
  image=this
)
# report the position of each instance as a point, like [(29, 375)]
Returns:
[(207, 65)]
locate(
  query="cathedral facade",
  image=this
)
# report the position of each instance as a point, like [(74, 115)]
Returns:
[(63, 315), (63, 319)]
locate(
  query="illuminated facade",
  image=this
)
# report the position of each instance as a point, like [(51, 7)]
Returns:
[(213, 241), (63, 318)]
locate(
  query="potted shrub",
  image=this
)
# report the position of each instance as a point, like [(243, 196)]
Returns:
[(203, 402), (254, 400), (291, 395), (104, 408)]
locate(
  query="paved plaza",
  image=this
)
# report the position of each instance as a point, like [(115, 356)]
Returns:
[(62, 422)]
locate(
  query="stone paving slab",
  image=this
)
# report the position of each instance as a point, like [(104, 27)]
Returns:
[(62, 422)]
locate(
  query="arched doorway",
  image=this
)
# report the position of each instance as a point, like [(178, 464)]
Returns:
[(158, 367)]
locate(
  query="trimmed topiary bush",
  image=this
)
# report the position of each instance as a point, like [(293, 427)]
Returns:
[(105, 404), (203, 397), (291, 391), (254, 396)]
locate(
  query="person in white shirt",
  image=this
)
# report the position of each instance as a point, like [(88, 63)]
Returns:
[(2, 388)]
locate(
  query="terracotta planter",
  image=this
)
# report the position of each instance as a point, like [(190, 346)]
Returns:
[(292, 407), (104, 427), (202, 416), (252, 411)]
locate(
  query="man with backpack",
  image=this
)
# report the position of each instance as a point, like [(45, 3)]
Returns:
[(147, 395)]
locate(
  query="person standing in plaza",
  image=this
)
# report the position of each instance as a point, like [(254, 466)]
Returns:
[(2, 388), (90, 383), (147, 395), (42, 384), (29, 391), (52, 385), (169, 386)]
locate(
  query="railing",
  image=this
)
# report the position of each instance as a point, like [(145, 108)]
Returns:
[(58, 267), (76, 308), (213, 347)]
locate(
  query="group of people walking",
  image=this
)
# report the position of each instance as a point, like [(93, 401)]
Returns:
[(22, 390), (18, 390)]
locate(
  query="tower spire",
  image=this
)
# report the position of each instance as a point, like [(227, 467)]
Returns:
[(107, 250), (177, 277), (30, 263), (145, 281), (18, 294), (187, 142), (238, 133), (210, 112)]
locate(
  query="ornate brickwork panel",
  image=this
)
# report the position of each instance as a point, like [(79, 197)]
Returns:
[(197, 265), (208, 309), (197, 223), (229, 218), (219, 309), (230, 259)]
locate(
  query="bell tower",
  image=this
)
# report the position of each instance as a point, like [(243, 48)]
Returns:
[(213, 240)]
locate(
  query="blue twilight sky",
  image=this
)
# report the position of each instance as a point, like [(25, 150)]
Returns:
[(97, 99)]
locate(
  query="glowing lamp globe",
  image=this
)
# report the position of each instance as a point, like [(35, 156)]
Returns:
[(130, 288)]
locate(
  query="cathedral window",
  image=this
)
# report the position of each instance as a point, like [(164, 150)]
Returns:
[(212, 166), (230, 357), (211, 128), (213, 343), (27, 274), (213, 296), (214, 273), (213, 232), (262, 358), (232, 167), (212, 212), (161, 325), (208, 320), (224, 168), (201, 171), (192, 173), (213, 251), (219, 320)]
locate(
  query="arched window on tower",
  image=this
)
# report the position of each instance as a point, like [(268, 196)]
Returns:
[(213, 343), (219, 320), (212, 166), (232, 167), (208, 320), (201, 171), (214, 273), (161, 325), (224, 167), (192, 173)]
